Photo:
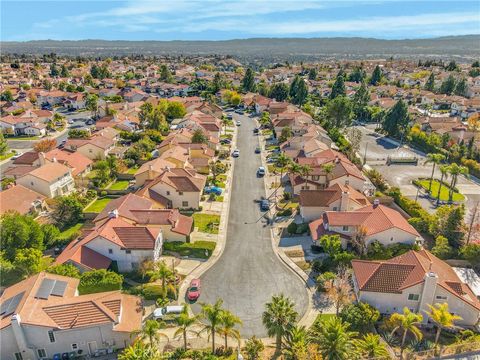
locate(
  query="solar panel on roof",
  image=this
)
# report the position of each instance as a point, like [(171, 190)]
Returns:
[(45, 289), (4, 306), (59, 288), (10, 305)]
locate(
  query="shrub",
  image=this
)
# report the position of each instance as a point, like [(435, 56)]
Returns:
[(152, 291), (361, 316), (292, 228), (65, 270), (286, 212), (99, 281), (323, 265), (103, 193), (302, 229)]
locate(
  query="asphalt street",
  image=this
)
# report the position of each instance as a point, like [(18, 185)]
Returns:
[(249, 272)]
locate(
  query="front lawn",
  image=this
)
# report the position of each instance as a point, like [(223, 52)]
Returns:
[(207, 223), (132, 170), (98, 205), (198, 249), (119, 185), (68, 233), (7, 156), (443, 192)]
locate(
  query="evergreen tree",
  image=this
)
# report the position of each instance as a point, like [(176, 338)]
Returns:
[(54, 70), (461, 88), (301, 92), (339, 112), (360, 102), (430, 84), (3, 144), (312, 74), (357, 75), (376, 76), (452, 66), (248, 82), (279, 91), (165, 74), (448, 85), (64, 72), (476, 64), (293, 86), (396, 119), (338, 88)]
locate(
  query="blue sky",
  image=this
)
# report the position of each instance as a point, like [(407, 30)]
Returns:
[(219, 20)]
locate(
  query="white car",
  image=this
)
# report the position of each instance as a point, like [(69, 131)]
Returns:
[(167, 311), (236, 153), (261, 171), (238, 123)]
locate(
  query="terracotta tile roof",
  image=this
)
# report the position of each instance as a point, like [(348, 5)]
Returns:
[(18, 198), (50, 172), (77, 253), (179, 223), (407, 270), (27, 158), (75, 160), (76, 315), (180, 179), (124, 205), (135, 237), (18, 171)]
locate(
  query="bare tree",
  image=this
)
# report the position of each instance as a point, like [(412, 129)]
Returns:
[(341, 292), (473, 226), (355, 138), (359, 240)]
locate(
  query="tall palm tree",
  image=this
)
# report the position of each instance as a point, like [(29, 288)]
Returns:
[(434, 159), (162, 272), (442, 318), (278, 317), (328, 169), (281, 162), (455, 170), (296, 343), (407, 322), (138, 351), (335, 340), (228, 322), (305, 170), (444, 169), (213, 315), (371, 346), (184, 322), (151, 331)]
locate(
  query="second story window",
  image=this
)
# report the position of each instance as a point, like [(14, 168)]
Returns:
[(345, 228), (413, 297), (51, 336)]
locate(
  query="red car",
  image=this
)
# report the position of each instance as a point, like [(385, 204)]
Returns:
[(193, 291)]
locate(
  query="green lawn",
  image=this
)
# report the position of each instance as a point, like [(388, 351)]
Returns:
[(23, 137), (443, 192), (7, 156), (131, 170), (323, 317), (197, 249), (98, 205), (267, 132), (206, 222), (219, 198), (69, 232), (119, 185)]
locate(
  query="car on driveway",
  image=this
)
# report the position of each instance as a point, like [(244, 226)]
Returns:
[(236, 153), (261, 171), (213, 190), (193, 292), (258, 150), (238, 123), (264, 205), (167, 312), (256, 130), (225, 141)]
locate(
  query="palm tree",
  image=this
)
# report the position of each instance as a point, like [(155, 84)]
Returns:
[(213, 315), (281, 162), (335, 340), (435, 159), (328, 169), (407, 322), (138, 351), (305, 170), (296, 343), (228, 322), (442, 318), (444, 169), (162, 272), (225, 122), (371, 346), (279, 317), (184, 322), (150, 331), (455, 170)]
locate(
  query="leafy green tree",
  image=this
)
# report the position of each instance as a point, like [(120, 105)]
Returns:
[(217, 84), (64, 71), (448, 85), (279, 91), (442, 248), (248, 82), (448, 222), (338, 88), (99, 281), (371, 346), (7, 96), (161, 271), (19, 232), (228, 322), (358, 75), (397, 119), (151, 332), (361, 316), (331, 244), (471, 252), (253, 348), (339, 112), (435, 159), (278, 317), (334, 338), (64, 270), (54, 70), (452, 66), (213, 315), (51, 234), (199, 137), (376, 76), (286, 134), (406, 322), (295, 344), (184, 322), (360, 102), (139, 351), (461, 88), (298, 91), (165, 74), (175, 110), (28, 261), (3, 144), (312, 74), (91, 103), (430, 84)]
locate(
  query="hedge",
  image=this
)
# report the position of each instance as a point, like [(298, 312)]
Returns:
[(99, 281)]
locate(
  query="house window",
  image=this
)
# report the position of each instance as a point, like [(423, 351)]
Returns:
[(441, 297), (31, 183), (391, 239), (74, 346), (184, 203), (413, 297), (168, 192), (128, 251), (345, 228), (41, 353), (51, 336), (18, 356), (90, 150), (110, 251), (180, 193), (315, 177), (335, 208)]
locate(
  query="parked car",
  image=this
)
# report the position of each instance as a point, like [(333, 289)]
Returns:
[(258, 150), (167, 312), (225, 141), (236, 153), (213, 190), (16, 156), (264, 205), (193, 292), (256, 130), (238, 123), (238, 111), (261, 171)]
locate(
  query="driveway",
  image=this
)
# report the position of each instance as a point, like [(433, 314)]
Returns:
[(249, 272)]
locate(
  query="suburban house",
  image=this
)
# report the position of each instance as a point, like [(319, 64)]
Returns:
[(175, 188), (313, 203), (97, 147), (374, 222), (77, 162), (52, 179), (44, 316), (151, 169), (20, 199), (414, 280)]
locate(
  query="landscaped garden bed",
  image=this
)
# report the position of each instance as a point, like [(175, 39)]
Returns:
[(444, 191), (197, 249)]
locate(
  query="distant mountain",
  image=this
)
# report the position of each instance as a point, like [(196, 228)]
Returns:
[(264, 49)]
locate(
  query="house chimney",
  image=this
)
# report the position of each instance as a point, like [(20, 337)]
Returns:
[(54, 159), (113, 214), (428, 294), (376, 202), (337, 159), (344, 201), (41, 158)]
